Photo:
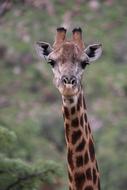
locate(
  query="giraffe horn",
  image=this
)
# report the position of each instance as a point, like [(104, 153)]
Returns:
[(60, 37), (77, 37)]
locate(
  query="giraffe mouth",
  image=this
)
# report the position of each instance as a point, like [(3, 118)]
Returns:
[(68, 90)]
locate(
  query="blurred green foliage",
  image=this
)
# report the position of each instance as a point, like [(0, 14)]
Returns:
[(18, 174), (32, 126)]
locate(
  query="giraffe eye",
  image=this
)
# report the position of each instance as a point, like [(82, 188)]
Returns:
[(84, 63), (51, 62)]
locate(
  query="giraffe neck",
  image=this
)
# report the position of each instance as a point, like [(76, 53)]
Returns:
[(82, 165)]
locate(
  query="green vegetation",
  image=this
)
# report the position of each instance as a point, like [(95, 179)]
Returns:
[(18, 174), (31, 123)]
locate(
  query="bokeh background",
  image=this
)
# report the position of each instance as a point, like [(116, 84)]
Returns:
[(32, 144)]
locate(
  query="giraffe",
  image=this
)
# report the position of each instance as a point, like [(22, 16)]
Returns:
[(68, 59)]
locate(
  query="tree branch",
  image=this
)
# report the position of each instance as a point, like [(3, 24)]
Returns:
[(25, 178)]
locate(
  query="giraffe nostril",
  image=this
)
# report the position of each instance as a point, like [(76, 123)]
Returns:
[(73, 80), (65, 80)]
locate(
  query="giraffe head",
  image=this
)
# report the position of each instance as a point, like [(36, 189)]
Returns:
[(68, 59)]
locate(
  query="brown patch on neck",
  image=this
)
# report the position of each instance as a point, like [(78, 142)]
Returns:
[(79, 180), (79, 103), (89, 187), (89, 174), (79, 161), (75, 122), (81, 120), (66, 112), (94, 176), (76, 136), (81, 146), (91, 150), (73, 110)]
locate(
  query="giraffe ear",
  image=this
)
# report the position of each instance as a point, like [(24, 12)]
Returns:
[(94, 52), (43, 49)]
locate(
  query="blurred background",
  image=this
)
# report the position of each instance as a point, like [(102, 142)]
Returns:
[(32, 144)]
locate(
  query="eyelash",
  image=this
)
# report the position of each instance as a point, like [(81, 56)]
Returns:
[(51, 62)]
